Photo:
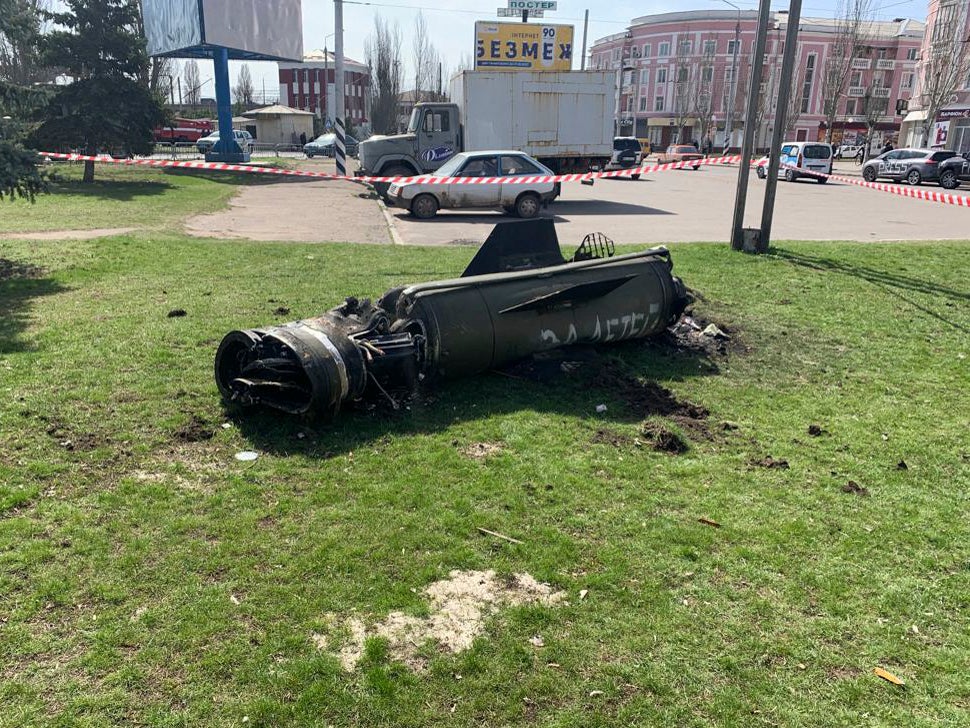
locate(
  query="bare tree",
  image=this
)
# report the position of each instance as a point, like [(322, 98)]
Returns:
[(945, 70), (193, 83), (244, 90), (426, 62), (794, 110), (685, 87), (383, 52), (704, 93), (874, 109), (852, 23), (23, 23)]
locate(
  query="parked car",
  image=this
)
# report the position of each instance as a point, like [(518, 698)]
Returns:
[(325, 145), (627, 153), (801, 159), (847, 151), (680, 153), (243, 138), (424, 199), (913, 165), (955, 170)]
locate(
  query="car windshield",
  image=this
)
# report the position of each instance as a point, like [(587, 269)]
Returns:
[(817, 151), (943, 156), (324, 139), (684, 150), (621, 144), (414, 122), (449, 168)]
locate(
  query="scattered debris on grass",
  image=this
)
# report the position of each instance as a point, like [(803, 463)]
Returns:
[(901, 465), (496, 534), (282, 311), (177, 313), (537, 641), (816, 430), (714, 332), (458, 608), (247, 456), (662, 438), (604, 436), (197, 429), (595, 693), (480, 450), (583, 593), (889, 677), (769, 462), (709, 522), (729, 426), (854, 487), (72, 440)]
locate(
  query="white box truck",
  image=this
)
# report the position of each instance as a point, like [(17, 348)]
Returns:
[(565, 120)]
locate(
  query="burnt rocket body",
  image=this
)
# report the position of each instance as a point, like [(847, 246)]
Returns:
[(518, 297)]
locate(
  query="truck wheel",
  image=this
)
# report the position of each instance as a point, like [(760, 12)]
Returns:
[(948, 180), (393, 171), (527, 205), (424, 206)]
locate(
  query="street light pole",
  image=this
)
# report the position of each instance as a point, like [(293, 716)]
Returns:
[(340, 148), (729, 122)]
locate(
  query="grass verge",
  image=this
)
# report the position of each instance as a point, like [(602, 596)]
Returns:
[(146, 577)]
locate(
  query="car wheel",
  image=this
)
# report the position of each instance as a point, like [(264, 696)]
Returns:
[(424, 206), (821, 180), (760, 171), (309, 155), (914, 178), (790, 175), (634, 176), (697, 167), (869, 174), (527, 205), (948, 179)]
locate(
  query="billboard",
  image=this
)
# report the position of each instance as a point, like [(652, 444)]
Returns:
[(250, 29), (941, 130), (523, 47)]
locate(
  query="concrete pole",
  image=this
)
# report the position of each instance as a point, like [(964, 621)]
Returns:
[(340, 149), (585, 28), (729, 123), (781, 121), (761, 40)]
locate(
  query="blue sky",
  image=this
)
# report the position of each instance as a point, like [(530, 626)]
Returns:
[(451, 24)]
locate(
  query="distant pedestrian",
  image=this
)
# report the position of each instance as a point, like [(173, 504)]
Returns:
[(302, 138), (860, 154), (708, 146), (887, 147)]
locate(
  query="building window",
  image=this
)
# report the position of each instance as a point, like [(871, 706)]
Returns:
[(881, 55), (616, 55), (664, 49), (855, 79), (626, 78), (658, 103), (733, 47), (707, 74), (710, 47), (728, 75), (908, 80), (912, 54), (807, 85), (850, 107), (945, 24), (661, 75), (643, 103), (646, 50), (682, 74), (685, 47)]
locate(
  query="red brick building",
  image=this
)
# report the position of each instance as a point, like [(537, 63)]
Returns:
[(310, 86)]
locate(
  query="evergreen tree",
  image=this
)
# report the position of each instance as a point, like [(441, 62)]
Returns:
[(108, 107)]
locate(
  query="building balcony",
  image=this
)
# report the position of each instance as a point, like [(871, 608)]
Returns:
[(881, 93), (885, 64), (857, 91), (861, 64)]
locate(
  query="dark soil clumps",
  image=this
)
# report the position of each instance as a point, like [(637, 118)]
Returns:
[(771, 463), (196, 429), (663, 438), (854, 487)]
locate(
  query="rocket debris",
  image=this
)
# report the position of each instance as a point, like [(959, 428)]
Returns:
[(517, 297)]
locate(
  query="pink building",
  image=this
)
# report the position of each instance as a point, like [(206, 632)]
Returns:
[(699, 47), (310, 86), (947, 40)]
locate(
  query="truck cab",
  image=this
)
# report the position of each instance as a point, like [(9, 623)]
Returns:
[(433, 136)]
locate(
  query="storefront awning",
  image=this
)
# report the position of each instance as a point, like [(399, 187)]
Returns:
[(912, 116)]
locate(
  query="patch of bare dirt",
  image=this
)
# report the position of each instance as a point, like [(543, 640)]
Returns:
[(480, 450), (854, 488), (605, 436), (71, 439), (458, 609), (771, 463), (68, 234), (197, 429), (663, 438)]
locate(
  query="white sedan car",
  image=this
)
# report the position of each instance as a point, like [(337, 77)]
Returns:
[(524, 198)]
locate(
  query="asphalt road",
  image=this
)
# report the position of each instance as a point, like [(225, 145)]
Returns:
[(691, 206)]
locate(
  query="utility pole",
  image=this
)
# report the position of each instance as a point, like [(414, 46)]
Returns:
[(754, 91), (179, 79), (585, 28), (781, 121), (340, 148), (729, 122)]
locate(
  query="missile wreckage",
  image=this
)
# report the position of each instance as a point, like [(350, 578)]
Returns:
[(517, 297)]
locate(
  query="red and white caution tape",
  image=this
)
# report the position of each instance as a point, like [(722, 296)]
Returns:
[(426, 178), (916, 193)]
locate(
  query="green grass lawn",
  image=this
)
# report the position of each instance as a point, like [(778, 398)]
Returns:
[(123, 197), (148, 578)]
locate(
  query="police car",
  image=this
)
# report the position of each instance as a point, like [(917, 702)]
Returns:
[(913, 165), (955, 170)]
